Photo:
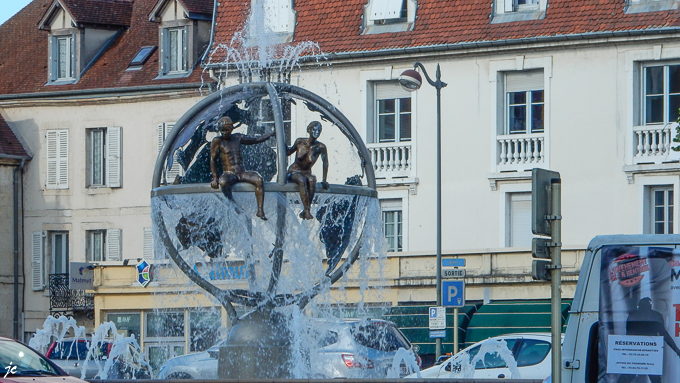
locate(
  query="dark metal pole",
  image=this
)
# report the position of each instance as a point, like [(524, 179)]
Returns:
[(439, 202), (556, 279), (17, 174), (438, 84)]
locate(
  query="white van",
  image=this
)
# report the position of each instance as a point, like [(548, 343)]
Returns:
[(625, 318)]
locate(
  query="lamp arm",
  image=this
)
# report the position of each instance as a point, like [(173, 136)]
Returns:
[(438, 83)]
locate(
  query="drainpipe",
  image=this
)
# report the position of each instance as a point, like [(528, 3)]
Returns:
[(17, 172)]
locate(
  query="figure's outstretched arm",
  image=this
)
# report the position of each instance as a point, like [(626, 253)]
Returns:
[(250, 140)]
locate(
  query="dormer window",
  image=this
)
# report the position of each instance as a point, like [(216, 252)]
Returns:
[(506, 11), (275, 18), (78, 36), (388, 11), (642, 6), (384, 16), (184, 34)]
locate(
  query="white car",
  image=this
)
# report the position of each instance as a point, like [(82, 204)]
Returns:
[(511, 356)]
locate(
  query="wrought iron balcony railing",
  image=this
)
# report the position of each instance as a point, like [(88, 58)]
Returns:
[(63, 299)]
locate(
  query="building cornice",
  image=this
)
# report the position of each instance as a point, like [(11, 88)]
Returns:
[(105, 96)]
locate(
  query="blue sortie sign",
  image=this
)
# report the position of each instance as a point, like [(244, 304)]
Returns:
[(453, 293)]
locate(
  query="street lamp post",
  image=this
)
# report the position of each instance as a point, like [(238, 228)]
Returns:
[(410, 80)]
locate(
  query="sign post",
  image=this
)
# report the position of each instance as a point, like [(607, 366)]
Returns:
[(455, 272)]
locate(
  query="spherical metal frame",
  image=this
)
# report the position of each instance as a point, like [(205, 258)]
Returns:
[(269, 299)]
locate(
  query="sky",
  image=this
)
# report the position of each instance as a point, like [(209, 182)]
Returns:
[(9, 8)]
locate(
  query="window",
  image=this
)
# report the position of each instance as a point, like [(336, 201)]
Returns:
[(104, 149), (661, 209), (142, 55), (661, 98), (385, 11), (176, 170), (393, 113), (59, 244), (175, 50), (277, 15), (392, 224), (525, 102), (266, 120), (147, 243), (57, 159), (204, 329), (641, 6), (163, 337), (520, 5), (506, 11), (518, 220), (389, 16), (62, 63), (103, 245), (532, 352), (126, 323)]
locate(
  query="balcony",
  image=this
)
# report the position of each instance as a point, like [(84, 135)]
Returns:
[(519, 152), (653, 144), (65, 301), (393, 162)]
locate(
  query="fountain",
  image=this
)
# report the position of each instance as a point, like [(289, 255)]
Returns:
[(206, 232)]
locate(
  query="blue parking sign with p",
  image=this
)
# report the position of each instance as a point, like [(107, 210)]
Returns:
[(453, 293)]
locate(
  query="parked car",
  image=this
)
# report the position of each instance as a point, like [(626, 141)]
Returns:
[(354, 349), (21, 363), (531, 352), (70, 355)]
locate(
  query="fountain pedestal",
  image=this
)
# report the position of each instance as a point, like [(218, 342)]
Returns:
[(258, 347)]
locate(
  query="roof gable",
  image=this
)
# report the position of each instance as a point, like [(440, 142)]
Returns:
[(89, 12), (195, 9), (10, 145)]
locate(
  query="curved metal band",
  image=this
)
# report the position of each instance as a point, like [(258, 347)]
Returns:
[(273, 90)]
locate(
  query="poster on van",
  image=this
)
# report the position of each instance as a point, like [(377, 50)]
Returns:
[(639, 331)]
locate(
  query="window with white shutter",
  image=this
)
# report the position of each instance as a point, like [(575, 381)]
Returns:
[(277, 15), (387, 9), (519, 220), (147, 251), (113, 156), (37, 257), (113, 245), (57, 159), (176, 169), (104, 148)]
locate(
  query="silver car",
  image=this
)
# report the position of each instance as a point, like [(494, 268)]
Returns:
[(353, 349)]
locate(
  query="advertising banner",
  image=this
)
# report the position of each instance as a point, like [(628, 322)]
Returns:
[(639, 330), (80, 276)]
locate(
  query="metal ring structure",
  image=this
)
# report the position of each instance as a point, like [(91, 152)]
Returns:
[(219, 102)]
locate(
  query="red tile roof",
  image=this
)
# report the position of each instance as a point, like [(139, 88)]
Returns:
[(9, 143), (23, 54), (336, 25), (118, 12)]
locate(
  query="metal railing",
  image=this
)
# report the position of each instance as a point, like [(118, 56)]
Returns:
[(65, 300)]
